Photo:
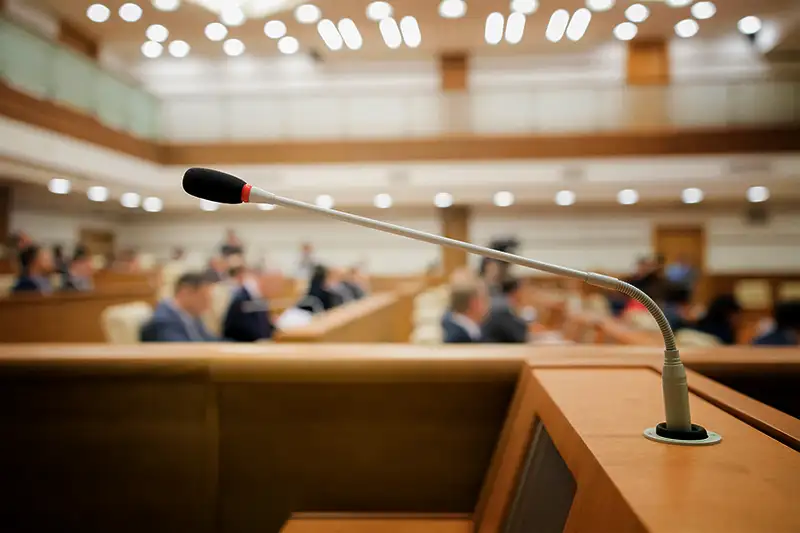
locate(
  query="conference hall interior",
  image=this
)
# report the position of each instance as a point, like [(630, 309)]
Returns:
[(198, 335)]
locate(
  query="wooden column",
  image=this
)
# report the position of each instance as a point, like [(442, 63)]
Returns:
[(647, 74), (5, 212), (455, 225), (453, 82), (74, 38)]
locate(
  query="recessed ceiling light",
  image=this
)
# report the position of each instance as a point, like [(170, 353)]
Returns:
[(443, 199), (330, 35), (130, 200), (288, 45), (390, 33), (628, 196), (678, 3), (599, 5), (207, 205), (130, 12), (157, 33), (349, 32), (452, 9), (306, 14), (494, 28), (578, 24), (526, 7), (565, 198), (383, 201), (757, 194), (692, 195), (97, 193), (515, 27), (749, 25), (503, 198), (324, 201), (625, 31), (179, 49), (557, 25), (233, 47), (98, 13), (266, 207), (637, 13), (378, 11), (232, 15), (410, 30), (152, 49), (687, 28), (216, 31), (274, 29), (152, 204), (166, 5), (58, 186), (703, 10)]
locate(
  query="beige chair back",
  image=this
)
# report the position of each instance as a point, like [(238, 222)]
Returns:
[(221, 295), (6, 283), (691, 337), (122, 323)]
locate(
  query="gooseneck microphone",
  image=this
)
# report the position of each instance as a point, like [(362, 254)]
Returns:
[(216, 186)]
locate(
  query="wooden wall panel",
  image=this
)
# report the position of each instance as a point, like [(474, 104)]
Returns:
[(77, 40), (454, 72), (455, 225), (648, 62)]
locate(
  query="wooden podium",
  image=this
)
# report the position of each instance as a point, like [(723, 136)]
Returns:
[(394, 438)]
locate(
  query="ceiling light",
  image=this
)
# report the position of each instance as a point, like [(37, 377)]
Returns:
[(97, 194), (58, 186), (749, 25), (687, 28), (325, 201), (166, 5), (130, 12), (288, 45), (678, 3), (306, 14), (378, 11), (330, 35), (410, 30), (233, 47), (515, 27), (152, 49), (754, 194), (503, 198), (179, 49), (383, 201), (152, 204), (637, 13), (216, 31), (565, 198), (98, 13), (494, 28), (349, 32), (703, 10), (557, 25), (232, 15), (157, 33), (266, 207), (526, 7), (390, 33), (625, 31), (578, 24), (274, 29), (207, 205), (599, 5), (130, 200), (452, 9), (627, 196), (443, 199), (692, 195)]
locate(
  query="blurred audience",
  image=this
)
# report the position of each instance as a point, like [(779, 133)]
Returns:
[(79, 272), (319, 297), (178, 319), (353, 284), (721, 319), (468, 307), (178, 254), (787, 326), (36, 265), (504, 323), (306, 264), (217, 269), (248, 317), (232, 245), (681, 273), (678, 307)]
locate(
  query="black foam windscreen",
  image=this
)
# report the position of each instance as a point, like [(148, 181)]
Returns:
[(213, 185)]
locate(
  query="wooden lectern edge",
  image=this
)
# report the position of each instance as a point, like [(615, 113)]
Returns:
[(378, 522)]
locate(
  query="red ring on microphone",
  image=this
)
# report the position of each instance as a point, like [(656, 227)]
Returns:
[(246, 192)]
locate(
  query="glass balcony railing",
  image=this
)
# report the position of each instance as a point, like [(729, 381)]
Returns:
[(45, 70)]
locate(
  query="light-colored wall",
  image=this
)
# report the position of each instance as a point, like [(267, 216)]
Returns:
[(51, 228)]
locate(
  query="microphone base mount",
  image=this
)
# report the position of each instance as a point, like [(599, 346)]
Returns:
[(696, 436)]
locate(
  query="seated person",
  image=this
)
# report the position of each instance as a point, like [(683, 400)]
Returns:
[(721, 319), (79, 272), (319, 297), (37, 265), (459, 276), (217, 269), (248, 316), (178, 319), (787, 326), (504, 323), (468, 306), (352, 284), (677, 307)]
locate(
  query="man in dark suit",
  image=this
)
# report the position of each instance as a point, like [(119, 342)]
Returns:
[(503, 324), (468, 305), (787, 326), (36, 264), (79, 272), (248, 317), (177, 319)]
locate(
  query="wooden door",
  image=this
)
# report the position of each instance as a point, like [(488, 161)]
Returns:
[(99, 242), (689, 243)]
